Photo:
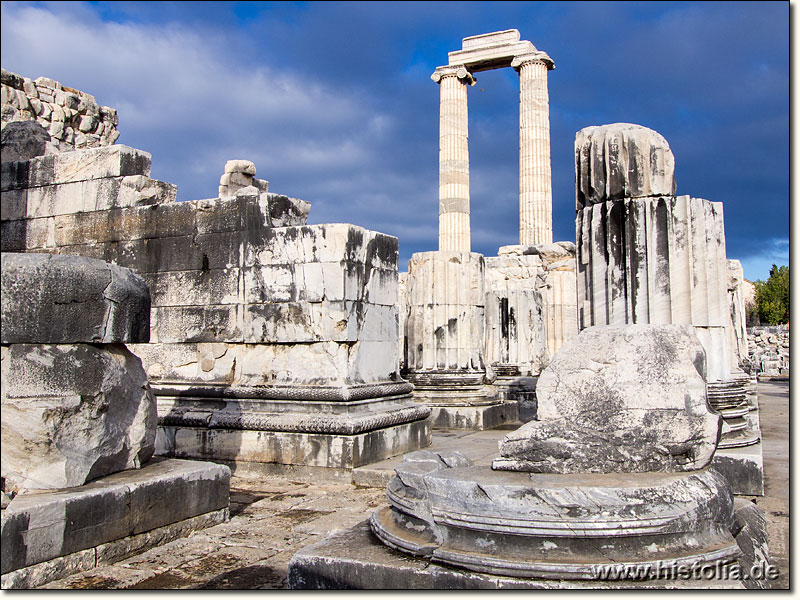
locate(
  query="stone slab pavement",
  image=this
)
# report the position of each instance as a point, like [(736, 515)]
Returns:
[(274, 517)]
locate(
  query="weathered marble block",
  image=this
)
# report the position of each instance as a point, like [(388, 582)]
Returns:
[(619, 399), (619, 161), (76, 403), (70, 299), (72, 413), (69, 167)]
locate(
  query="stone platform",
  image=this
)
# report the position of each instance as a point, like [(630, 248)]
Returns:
[(53, 534), (356, 559)]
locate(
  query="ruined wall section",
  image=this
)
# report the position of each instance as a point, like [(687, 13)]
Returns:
[(73, 118)]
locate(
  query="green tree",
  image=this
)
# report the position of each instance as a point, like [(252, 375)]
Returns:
[(772, 296)]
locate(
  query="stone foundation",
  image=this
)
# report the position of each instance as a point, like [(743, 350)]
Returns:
[(108, 519)]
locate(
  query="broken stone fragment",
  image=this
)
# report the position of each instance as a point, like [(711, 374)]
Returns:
[(72, 413), (622, 160), (23, 140), (240, 166), (58, 299), (619, 399)]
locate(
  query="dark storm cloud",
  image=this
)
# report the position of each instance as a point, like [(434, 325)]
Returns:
[(334, 104)]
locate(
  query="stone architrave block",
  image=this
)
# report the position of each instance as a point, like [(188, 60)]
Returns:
[(619, 399), (72, 413), (622, 160), (54, 299), (80, 165)]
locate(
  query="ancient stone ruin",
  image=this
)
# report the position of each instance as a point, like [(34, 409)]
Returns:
[(139, 332), (648, 256), (273, 343), (478, 330), (614, 476), (80, 485)]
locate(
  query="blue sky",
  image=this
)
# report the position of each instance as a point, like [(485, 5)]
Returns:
[(334, 101)]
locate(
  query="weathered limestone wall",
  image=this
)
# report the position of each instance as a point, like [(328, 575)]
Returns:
[(73, 118)]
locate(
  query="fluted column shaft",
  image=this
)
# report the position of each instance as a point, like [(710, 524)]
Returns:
[(454, 229), (535, 188)]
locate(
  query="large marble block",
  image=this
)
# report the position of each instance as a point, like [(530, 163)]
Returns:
[(70, 299), (72, 413), (628, 398)]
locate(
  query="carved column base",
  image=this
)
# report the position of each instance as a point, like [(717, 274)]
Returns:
[(461, 400)]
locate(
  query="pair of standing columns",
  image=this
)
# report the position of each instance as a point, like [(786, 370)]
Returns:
[(535, 191)]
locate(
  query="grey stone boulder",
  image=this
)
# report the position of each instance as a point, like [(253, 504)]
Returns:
[(617, 399), (24, 140), (57, 299), (72, 413), (622, 161)]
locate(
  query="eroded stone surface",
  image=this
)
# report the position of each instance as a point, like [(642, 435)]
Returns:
[(70, 299), (619, 399), (622, 160), (23, 140), (72, 413)]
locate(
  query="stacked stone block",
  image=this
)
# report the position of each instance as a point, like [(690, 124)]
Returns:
[(79, 425), (769, 350), (73, 118), (647, 256), (239, 179), (272, 342)]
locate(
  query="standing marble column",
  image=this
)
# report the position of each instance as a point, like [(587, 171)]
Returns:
[(454, 231), (535, 189)]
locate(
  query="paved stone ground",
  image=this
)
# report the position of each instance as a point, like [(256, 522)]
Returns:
[(273, 518)]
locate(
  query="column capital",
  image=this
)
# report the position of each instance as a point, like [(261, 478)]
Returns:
[(533, 57), (459, 71)]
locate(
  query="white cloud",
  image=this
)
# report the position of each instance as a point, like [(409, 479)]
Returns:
[(193, 98)]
